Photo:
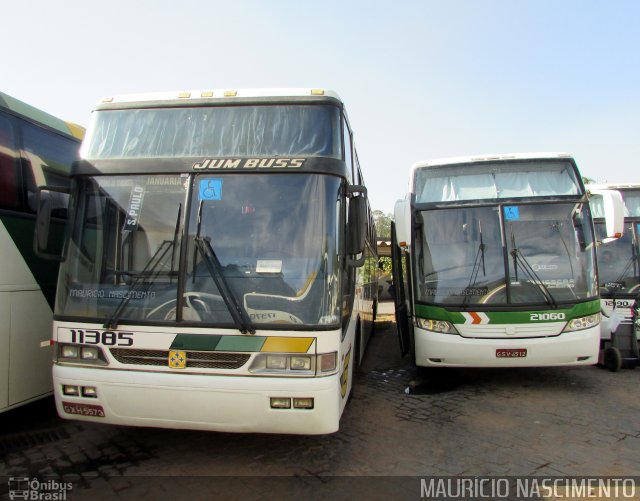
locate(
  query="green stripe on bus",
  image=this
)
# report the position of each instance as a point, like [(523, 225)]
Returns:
[(507, 317), (241, 343), (206, 342), (35, 114), (195, 342), (44, 272)]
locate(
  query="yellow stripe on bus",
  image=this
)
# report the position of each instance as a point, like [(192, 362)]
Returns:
[(76, 130), (287, 344)]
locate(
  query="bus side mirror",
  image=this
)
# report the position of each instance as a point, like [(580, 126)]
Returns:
[(613, 208), (41, 241), (357, 224), (402, 219)]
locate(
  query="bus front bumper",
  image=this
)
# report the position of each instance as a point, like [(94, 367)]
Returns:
[(434, 349), (199, 402)]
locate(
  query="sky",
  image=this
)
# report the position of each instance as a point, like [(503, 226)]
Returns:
[(421, 79)]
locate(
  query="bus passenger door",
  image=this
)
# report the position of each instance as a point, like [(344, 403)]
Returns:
[(400, 293)]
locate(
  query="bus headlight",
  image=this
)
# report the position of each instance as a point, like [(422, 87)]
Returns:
[(80, 354), (299, 364), (327, 361), (581, 323), (69, 351), (276, 362), (441, 326), (90, 353)]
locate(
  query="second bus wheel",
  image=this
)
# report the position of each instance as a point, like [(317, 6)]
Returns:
[(612, 359)]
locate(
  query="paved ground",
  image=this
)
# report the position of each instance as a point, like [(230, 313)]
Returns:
[(519, 422)]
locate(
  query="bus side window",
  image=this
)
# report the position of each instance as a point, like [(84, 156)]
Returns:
[(9, 198), (357, 172), (49, 159), (348, 149)]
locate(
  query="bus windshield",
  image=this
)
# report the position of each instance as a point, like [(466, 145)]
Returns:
[(248, 130), (618, 262), (528, 254), (496, 180), (185, 248)]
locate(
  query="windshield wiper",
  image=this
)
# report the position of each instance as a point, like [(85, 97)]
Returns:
[(476, 266), (518, 257), (148, 271), (633, 260), (555, 226), (634, 255), (237, 311)]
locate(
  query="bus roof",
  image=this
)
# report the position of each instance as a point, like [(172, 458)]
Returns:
[(482, 159), (613, 186), (33, 114), (212, 96)]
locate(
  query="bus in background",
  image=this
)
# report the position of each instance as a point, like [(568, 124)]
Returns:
[(220, 269), (35, 149), (618, 277), (496, 261)]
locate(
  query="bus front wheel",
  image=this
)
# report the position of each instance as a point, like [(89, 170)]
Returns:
[(612, 359)]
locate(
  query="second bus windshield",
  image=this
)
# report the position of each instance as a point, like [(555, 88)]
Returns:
[(546, 256)]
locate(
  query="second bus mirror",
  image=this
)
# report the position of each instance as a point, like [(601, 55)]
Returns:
[(612, 207), (46, 246), (402, 218)]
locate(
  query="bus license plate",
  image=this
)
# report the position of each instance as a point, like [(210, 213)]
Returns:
[(512, 353), (83, 409)]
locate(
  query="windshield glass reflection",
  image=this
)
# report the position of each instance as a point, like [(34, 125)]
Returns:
[(261, 249), (538, 254)]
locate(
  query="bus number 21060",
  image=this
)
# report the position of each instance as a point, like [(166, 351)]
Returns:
[(541, 317)]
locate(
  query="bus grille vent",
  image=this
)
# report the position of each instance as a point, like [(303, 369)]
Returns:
[(195, 359)]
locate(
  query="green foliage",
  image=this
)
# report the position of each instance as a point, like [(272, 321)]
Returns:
[(382, 222), (385, 264)]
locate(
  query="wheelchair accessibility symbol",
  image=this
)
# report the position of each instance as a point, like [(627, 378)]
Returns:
[(210, 189), (511, 212)]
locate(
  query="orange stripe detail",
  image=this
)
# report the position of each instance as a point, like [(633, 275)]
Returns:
[(476, 318)]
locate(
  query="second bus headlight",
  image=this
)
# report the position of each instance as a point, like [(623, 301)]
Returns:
[(578, 324), (441, 326)]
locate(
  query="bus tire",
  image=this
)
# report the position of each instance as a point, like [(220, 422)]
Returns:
[(612, 359)]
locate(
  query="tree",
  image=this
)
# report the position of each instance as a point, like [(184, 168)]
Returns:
[(382, 222), (385, 265)]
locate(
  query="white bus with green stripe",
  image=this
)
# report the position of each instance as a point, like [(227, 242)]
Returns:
[(618, 273), (220, 268), (494, 262), (35, 149)]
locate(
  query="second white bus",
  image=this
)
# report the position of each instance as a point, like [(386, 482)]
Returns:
[(495, 257)]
